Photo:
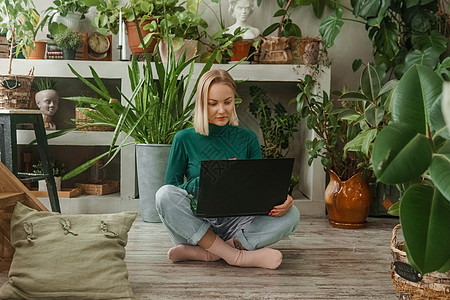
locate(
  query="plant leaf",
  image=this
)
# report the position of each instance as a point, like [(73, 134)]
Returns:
[(374, 115), (330, 27), (394, 210), (370, 83), (400, 154), (440, 173), (424, 215), (414, 97)]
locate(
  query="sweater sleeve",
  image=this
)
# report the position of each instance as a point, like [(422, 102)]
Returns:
[(177, 163), (254, 148)]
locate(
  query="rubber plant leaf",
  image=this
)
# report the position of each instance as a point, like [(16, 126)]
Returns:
[(440, 170), (425, 223), (414, 97), (370, 83), (400, 154)]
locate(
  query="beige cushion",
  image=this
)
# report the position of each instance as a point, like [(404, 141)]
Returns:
[(68, 257)]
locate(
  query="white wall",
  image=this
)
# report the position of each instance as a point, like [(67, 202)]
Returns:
[(351, 44)]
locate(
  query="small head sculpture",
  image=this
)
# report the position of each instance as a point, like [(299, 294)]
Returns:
[(47, 101)]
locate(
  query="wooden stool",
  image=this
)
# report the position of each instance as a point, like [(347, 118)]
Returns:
[(9, 118)]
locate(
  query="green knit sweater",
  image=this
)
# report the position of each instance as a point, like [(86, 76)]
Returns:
[(190, 148)]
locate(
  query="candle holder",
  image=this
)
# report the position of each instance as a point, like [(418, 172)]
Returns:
[(123, 53)]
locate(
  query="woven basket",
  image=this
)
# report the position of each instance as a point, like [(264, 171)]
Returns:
[(4, 47), (81, 120), (15, 90), (104, 187), (432, 285)]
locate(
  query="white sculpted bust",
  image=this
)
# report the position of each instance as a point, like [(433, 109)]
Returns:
[(241, 10)]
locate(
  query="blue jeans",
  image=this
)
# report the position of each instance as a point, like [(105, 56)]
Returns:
[(253, 232)]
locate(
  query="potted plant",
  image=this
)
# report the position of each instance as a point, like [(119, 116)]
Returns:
[(413, 152), (69, 41), (276, 124), (348, 170), (183, 29), (156, 110), (58, 171), (289, 36), (66, 12), (151, 116), (19, 17), (145, 15), (222, 41), (39, 47)]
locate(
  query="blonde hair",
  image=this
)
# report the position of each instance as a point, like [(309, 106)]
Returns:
[(211, 77)]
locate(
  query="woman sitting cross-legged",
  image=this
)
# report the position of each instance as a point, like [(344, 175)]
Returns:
[(240, 241)]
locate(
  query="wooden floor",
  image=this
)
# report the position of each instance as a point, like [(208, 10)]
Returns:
[(320, 262)]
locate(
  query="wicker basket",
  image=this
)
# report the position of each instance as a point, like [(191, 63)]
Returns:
[(15, 90), (432, 285), (104, 187), (4, 47), (81, 120)]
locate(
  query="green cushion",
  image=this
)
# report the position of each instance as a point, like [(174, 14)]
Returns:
[(68, 256)]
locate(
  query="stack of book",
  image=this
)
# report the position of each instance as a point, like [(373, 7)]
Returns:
[(4, 47), (53, 52)]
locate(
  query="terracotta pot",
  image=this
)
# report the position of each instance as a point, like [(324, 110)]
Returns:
[(347, 202), (39, 50), (309, 50), (133, 37), (241, 49)]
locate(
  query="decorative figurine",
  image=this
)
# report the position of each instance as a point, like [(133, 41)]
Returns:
[(48, 102), (241, 10)]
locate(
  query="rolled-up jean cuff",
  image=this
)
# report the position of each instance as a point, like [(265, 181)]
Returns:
[(193, 240), (243, 240)]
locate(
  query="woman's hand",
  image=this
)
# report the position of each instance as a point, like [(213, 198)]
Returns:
[(282, 209)]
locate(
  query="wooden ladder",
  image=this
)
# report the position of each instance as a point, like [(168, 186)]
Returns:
[(12, 191)]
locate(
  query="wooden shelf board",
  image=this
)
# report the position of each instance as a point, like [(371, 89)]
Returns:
[(64, 193)]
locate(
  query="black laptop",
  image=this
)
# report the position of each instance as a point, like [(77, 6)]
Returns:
[(242, 187)]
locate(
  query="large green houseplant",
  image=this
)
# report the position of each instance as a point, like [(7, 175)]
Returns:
[(332, 132), (414, 153), (402, 32), (158, 108), (343, 140), (367, 109)]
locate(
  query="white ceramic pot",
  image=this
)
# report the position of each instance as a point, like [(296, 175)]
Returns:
[(190, 46), (71, 20)]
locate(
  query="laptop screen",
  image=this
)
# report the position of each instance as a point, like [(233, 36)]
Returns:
[(242, 187)]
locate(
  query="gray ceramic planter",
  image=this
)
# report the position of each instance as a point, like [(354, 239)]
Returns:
[(151, 170)]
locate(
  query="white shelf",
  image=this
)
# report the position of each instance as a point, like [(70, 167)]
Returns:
[(313, 177), (118, 69), (76, 138)]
